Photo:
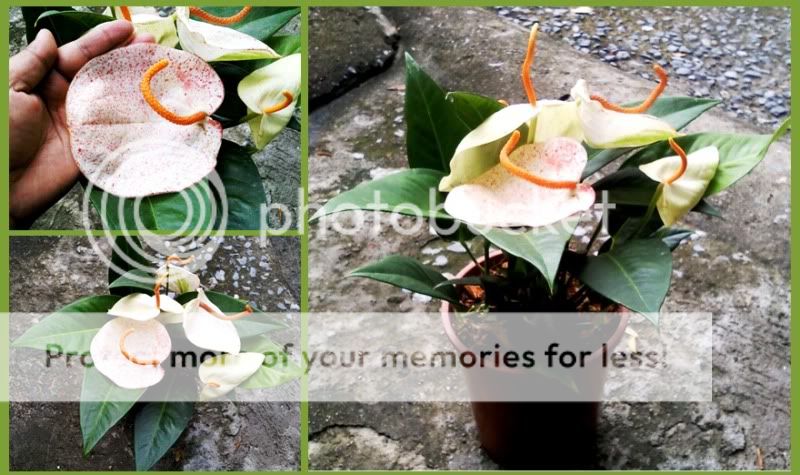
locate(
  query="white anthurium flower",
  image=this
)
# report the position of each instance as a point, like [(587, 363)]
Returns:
[(684, 180), (218, 43), (479, 150), (540, 186), (144, 307), (130, 352), (147, 20), (136, 306), (606, 128), (177, 278), (222, 374), (171, 310), (586, 118), (271, 93), (208, 327)]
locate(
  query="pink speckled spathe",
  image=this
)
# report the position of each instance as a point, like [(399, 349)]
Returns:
[(498, 198), (121, 144)]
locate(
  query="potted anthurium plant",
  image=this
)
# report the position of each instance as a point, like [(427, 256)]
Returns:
[(516, 179), (151, 314), (146, 121)]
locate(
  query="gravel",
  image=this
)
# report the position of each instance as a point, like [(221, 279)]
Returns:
[(738, 54)]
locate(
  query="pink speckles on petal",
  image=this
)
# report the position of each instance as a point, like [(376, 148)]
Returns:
[(498, 198), (121, 144)]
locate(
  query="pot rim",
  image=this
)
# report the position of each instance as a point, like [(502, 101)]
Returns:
[(452, 335)]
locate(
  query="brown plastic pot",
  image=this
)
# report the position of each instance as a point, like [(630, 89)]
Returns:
[(535, 435)]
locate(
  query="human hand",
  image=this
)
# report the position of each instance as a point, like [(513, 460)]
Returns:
[(42, 169)]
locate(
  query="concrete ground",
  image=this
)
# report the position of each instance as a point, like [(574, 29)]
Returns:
[(48, 273), (278, 164), (736, 268)]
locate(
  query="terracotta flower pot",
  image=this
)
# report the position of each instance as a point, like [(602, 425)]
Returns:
[(535, 435)]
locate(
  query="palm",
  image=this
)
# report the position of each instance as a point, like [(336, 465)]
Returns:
[(42, 167)]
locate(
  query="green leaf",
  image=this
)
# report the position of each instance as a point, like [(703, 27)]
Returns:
[(278, 368), (244, 190), (256, 324), (69, 25), (159, 424), (103, 404), (166, 212), (677, 111), (31, 14), (285, 45), (261, 23), (635, 274), (433, 128), (738, 154), (408, 192), (407, 273), (71, 328), (672, 237), (123, 251), (542, 246), (472, 109), (232, 111), (629, 186), (137, 279)]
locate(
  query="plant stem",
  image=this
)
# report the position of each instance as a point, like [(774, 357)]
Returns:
[(650, 208), (471, 255), (486, 254), (595, 234)]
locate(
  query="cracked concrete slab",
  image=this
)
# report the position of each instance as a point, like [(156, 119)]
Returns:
[(48, 273), (736, 268), (370, 47)]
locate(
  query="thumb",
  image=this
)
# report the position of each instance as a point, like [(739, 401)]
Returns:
[(28, 67)]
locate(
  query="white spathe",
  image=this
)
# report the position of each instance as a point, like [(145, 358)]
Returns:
[(603, 128), (264, 88), (207, 331), (498, 198), (149, 340), (218, 43), (221, 374), (177, 278), (680, 196)]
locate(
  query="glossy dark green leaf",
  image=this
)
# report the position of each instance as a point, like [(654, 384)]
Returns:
[(72, 328), (232, 111), (103, 404), (159, 424), (407, 273), (68, 25), (261, 23), (192, 208), (256, 324), (124, 256), (635, 274), (433, 130), (678, 111), (31, 14), (244, 190), (542, 246), (135, 280), (473, 109), (738, 154), (673, 237), (412, 192), (285, 45)]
